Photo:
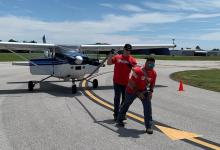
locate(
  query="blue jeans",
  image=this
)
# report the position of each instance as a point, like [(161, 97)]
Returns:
[(129, 98), (119, 90)]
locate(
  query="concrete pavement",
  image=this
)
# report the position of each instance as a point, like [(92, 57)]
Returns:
[(52, 118)]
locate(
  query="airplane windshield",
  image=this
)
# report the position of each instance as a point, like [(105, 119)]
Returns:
[(73, 54)]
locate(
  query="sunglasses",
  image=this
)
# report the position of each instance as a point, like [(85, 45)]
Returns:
[(128, 50)]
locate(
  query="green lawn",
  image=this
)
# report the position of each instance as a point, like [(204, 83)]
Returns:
[(163, 57), (13, 57), (206, 79)]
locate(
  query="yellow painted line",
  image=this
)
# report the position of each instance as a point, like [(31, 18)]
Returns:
[(173, 134), (204, 143), (176, 134), (135, 117), (97, 99), (108, 105)]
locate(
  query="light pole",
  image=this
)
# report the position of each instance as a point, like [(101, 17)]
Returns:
[(173, 42)]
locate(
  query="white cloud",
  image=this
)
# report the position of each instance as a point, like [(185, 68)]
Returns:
[(185, 5), (170, 6), (106, 29), (108, 5), (214, 36), (130, 7), (125, 7), (200, 16)]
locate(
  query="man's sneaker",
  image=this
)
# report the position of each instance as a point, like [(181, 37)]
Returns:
[(149, 130), (120, 124)]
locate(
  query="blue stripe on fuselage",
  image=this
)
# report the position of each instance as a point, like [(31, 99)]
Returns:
[(47, 61)]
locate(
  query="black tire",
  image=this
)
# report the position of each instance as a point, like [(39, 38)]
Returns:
[(30, 86), (74, 89), (95, 83)]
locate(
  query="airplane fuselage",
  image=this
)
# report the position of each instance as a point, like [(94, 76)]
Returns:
[(66, 65)]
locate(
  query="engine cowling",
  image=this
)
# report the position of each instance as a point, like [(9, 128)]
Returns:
[(78, 60)]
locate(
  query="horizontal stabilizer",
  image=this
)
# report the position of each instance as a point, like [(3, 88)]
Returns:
[(20, 63)]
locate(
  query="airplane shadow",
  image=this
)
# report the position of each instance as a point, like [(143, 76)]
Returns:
[(47, 87), (59, 90), (110, 87)]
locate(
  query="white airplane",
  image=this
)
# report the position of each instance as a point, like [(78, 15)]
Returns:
[(68, 62)]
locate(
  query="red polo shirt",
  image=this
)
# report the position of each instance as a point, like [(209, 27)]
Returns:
[(121, 69), (141, 79)]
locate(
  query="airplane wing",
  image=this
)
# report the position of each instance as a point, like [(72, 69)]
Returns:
[(43, 46), (120, 47), (25, 46)]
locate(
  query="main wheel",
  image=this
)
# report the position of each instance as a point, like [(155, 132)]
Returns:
[(74, 89), (30, 86), (95, 83)]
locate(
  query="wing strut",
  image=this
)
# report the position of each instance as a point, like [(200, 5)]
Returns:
[(22, 57), (100, 65)]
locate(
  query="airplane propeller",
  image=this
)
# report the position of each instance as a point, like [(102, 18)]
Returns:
[(78, 60)]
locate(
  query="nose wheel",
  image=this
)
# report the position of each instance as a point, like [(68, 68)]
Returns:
[(95, 83), (74, 88), (30, 85)]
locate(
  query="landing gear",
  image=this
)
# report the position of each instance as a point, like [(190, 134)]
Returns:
[(74, 88), (95, 83), (30, 85)]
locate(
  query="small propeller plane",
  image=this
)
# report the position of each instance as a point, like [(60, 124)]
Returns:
[(68, 62)]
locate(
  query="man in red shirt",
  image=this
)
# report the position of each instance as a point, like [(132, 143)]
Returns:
[(141, 85), (122, 69)]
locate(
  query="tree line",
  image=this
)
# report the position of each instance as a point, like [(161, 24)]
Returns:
[(21, 51), (12, 40)]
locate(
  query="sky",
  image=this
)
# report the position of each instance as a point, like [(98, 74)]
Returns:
[(190, 23)]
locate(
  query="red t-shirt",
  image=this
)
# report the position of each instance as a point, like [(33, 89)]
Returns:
[(121, 69), (141, 79)]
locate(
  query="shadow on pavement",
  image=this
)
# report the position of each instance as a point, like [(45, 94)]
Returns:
[(46, 87), (123, 132)]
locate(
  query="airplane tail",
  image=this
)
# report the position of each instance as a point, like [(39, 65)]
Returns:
[(46, 53), (44, 39)]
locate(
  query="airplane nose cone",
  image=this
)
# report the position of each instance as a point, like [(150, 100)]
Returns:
[(78, 60)]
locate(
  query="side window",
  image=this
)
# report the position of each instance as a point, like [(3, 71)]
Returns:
[(60, 56)]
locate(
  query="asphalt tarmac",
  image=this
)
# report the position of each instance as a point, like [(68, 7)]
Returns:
[(51, 117)]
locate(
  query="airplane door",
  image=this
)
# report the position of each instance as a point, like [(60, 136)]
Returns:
[(41, 66)]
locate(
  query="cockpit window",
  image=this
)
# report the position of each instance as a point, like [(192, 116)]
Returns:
[(73, 54)]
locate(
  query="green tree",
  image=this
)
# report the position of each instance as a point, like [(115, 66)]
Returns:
[(33, 41), (198, 48), (12, 40)]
